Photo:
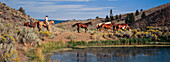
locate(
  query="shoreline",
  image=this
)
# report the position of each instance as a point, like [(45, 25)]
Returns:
[(124, 46)]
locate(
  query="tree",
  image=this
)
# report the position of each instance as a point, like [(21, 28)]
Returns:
[(21, 10), (111, 15), (117, 17), (130, 19), (107, 18), (141, 9), (137, 13), (127, 19), (120, 16), (143, 15), (111, 12), (111, 18), (97, 17)]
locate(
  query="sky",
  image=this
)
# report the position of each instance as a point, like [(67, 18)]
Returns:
[(80, 9)]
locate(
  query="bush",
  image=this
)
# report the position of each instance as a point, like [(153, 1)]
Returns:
[(107, 42), (94, 43), (45, 33), (8, 52), (28, 35)]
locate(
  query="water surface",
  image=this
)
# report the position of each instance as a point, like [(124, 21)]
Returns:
[(113, 55), (55, 21)]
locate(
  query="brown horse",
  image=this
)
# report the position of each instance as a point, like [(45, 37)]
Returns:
[(122, 26), (42, 23), (107, 26), (99, 25), (29, 25), (82, 25)]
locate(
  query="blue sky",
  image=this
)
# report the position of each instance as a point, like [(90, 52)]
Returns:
[(80, 9)]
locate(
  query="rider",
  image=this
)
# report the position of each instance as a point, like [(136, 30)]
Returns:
[(31, 22), (46, 20)]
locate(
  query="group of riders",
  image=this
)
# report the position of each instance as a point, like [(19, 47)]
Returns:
[(39, 24)]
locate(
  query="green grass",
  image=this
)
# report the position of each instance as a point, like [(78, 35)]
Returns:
[(125, 46)]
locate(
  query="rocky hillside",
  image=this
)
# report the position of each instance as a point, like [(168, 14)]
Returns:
[(11, 15), (158, 17), (13, 33)]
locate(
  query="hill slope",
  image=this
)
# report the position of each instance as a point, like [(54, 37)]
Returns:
[(12, 15), (12, 31), (160, 17)]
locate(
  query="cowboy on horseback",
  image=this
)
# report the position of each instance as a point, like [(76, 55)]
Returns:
[(46, 20), (31, 22)]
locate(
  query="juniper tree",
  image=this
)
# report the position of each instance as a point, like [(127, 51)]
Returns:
[(143, 15), (117, 17), (107, 18), (97, 17), (111, 15), (127, 20), (111, 18), (137, 13), (120, 16), (141, 9), (130, 19), (21, 10)]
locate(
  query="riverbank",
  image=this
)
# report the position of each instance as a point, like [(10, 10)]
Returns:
[(125, 46)]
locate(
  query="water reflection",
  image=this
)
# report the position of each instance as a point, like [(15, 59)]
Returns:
[(113, 55)]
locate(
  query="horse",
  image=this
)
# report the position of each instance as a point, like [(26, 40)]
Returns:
[(27, 24), (107, 26), (122, 26), (99, 25), (82, 25), (42, 23)]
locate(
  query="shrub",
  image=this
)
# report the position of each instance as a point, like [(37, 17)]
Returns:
[(107, 42), (81, 43), (28, 35), (7, 47), (94, 42), (45, 33), (72, 43), (123, 41)]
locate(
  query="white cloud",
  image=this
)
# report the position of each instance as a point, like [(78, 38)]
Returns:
[(91, 9), (54, 8), (89, 13)]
